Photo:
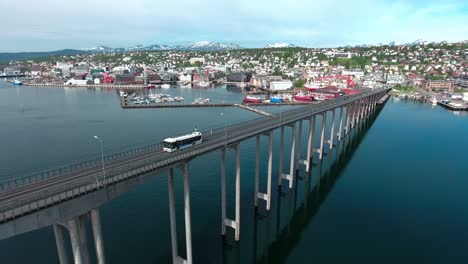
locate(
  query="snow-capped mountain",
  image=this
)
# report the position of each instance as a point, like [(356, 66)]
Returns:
[(99, 49), (280, 45), (211, 46), (197, 46)]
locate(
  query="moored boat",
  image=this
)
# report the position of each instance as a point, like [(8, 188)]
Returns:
[(303, 97), (17, 82), (252, 99)]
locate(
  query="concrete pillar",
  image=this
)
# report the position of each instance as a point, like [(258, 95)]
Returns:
[(322, 134), (75, 240), (353, 114), (310, 142), (332, 130), (172, 215), (237, 231), (97, 234), (340, 127), (223, 191), (59, 241), (299, 143), (347, 118), (280, 174), (83, 238), (270, 169), (358, 111), (257, 168), (292, 163), (188, 225)]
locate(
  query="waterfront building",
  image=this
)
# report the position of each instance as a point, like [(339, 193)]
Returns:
[(462, 81), (438, 86), (280, 85), (239, 77)]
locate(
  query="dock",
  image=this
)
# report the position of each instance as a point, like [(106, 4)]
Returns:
[(453, 107), (257, 111)]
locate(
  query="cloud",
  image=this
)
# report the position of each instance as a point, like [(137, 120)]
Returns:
[(52, 24)]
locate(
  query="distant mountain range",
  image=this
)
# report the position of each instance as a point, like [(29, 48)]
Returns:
[(197, 46), (280, 45)]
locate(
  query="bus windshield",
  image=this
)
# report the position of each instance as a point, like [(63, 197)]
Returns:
[(168, 145)]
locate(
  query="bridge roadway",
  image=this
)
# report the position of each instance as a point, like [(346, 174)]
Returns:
[(35, 193)]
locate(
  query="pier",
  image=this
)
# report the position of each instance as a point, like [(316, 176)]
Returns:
[(453, 107), (257, 111), (67, 197)]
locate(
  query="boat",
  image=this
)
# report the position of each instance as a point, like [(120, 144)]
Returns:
[(17, 82), (201, 101), (303, 98), (434, 100), (203, 84), (252, 99), (123, 94), (276, 99), (166, 86)]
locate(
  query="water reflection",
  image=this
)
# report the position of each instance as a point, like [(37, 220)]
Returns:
[(326, 174)]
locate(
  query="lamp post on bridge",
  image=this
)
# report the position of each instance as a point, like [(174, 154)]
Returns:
[(102, 159), (225, 132)]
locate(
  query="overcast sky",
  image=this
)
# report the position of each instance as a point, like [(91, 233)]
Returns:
[(31, 25)]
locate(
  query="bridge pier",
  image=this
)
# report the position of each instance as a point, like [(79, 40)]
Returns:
[(310, 143), (265, 196), (60, 241), (83, 237), (79, 241), (340, 126), (176, 259), (322, 135), (97, 234), (346, 129), (75, 241), (234, 224), (332, 130), (280, 166), (290, 176), (299, 145)]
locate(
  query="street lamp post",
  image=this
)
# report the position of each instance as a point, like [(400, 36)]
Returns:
[(225, 132), (102, 159)]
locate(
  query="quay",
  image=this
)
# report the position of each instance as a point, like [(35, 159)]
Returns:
[(453, 107), (68, 197), (257, 111)]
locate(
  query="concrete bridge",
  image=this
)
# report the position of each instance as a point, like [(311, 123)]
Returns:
[(68, 196)]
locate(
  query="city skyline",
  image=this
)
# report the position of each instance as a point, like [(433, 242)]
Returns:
[(52, 25)]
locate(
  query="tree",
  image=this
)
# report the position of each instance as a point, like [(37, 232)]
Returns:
[(277, 72), (299, 83)]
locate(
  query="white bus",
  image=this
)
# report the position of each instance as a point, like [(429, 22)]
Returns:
[(174, 144)]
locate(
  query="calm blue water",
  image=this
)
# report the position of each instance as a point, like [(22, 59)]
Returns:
[(391, 193)]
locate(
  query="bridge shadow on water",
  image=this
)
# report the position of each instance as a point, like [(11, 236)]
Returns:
[(317, 185)]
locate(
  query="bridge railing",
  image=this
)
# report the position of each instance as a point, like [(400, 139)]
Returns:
[(93, 163), (87, 164)]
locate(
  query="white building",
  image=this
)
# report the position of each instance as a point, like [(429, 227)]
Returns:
[(280, 85), (185, 77), (395, 79), (194, 60), (78, 82), (353, 72)]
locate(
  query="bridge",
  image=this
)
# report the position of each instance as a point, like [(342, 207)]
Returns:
[(67, 196)]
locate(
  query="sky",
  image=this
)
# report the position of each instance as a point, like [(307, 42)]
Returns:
[(31, 25)]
